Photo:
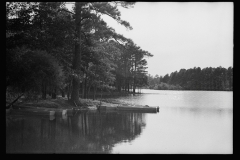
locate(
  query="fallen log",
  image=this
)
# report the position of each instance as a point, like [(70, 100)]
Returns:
[(8, 106), (130, 108)]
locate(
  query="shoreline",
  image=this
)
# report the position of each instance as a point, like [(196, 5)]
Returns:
[(63, 107), (64, 103)]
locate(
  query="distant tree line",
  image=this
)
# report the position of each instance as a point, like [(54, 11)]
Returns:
[(51, 50), (214, 79)]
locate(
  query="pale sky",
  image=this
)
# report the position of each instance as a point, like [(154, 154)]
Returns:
[(180, 34)]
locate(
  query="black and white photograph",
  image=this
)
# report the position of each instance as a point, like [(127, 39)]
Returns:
[(119, 77)]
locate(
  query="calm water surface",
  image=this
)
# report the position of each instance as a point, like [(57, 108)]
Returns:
[(188, 122)]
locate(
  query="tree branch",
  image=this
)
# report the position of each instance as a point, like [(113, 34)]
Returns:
[(119, 21), (62, 9), (120, 43)]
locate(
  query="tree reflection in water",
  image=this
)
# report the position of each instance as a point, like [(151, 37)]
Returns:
[(89, 132)]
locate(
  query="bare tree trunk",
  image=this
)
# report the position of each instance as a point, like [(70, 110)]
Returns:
[(69, 89), (94, 92), (54, 93), (134, 85), (63, 93), (89, 88), (128, 86), (44, 92), (77, 55), (50, 88), (85, 88), (134, 76)]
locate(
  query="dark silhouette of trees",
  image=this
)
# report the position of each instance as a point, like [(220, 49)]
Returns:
[(51, 49), (216, 79)]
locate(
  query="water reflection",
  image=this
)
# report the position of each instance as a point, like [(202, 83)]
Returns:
[(188, 122), (197, 111), (89, 132)]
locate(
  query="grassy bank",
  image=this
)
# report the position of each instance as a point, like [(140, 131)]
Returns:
[(63, 103), (104, 98)]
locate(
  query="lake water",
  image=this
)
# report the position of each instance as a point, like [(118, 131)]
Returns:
[(188, 122)]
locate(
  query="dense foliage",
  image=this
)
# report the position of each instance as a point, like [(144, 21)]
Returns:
[(50, 49), (216, 79)]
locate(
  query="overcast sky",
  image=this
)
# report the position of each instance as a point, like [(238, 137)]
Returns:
[(180, 34)]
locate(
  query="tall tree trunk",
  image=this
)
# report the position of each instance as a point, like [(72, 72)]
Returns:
[(77, 55), (54, 93), (119, 88), (119, 85), (134, 85), (49, 91), (89, 88), (63, 92), (69, 89), (50, 88), (125, 73), (82, 88), (85, 88), (94, 92), (134, 75), (44, 92)]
